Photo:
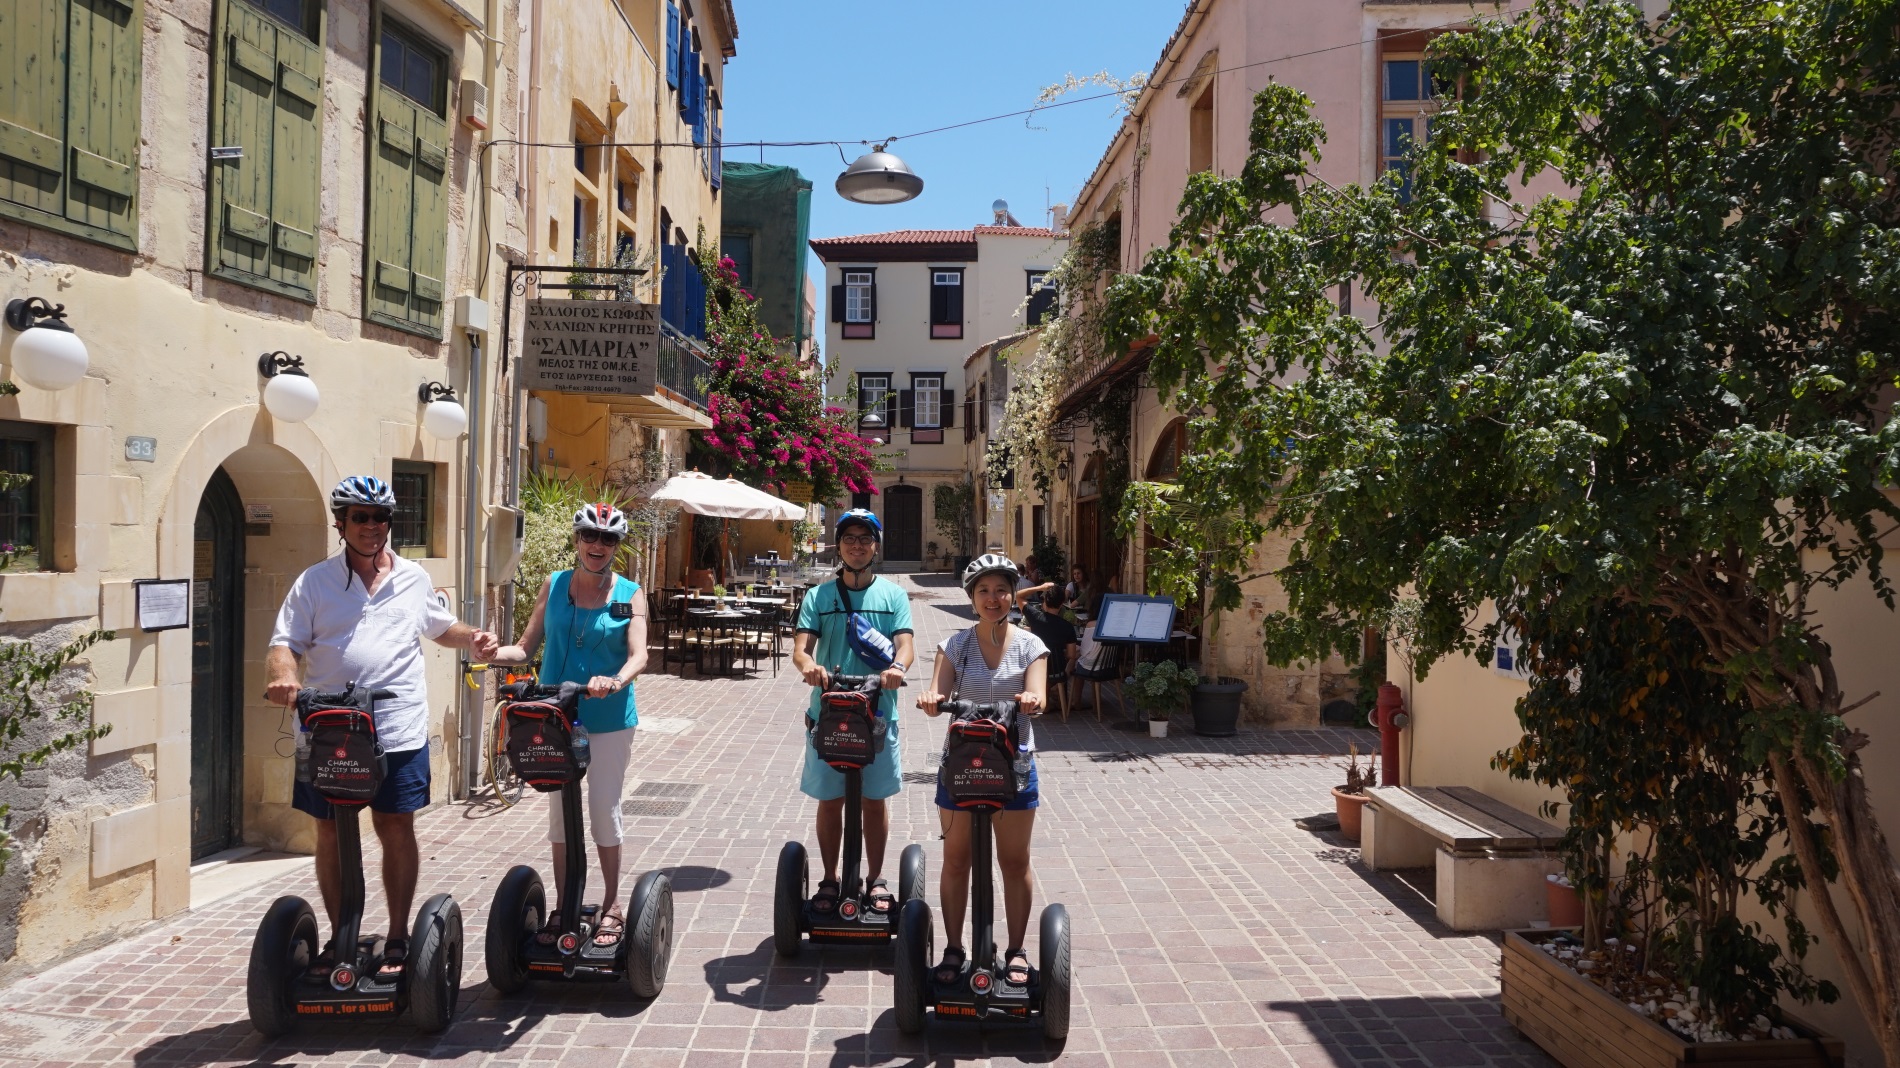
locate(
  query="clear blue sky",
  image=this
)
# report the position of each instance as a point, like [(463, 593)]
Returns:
[(867, 69)]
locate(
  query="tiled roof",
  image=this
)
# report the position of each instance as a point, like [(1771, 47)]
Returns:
[(918, 244), (896, 237), (1019, 231)]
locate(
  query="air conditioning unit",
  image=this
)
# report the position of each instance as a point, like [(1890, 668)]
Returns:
[(474, 104)]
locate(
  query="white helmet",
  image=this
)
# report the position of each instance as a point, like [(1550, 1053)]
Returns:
[(990, 564), (602, 517)]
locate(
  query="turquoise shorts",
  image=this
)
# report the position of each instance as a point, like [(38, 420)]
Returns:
[(882, 778)]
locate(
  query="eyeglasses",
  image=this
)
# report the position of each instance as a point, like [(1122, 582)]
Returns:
[(364, 519), (857, 540), (593, 537)]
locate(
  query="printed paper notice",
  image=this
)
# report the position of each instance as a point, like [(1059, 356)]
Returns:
[(1151, 625), (163, 605), (1118, 621)]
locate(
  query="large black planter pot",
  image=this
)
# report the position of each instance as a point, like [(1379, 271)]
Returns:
[(1216, 706)]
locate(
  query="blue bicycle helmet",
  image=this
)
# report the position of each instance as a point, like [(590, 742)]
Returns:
[(863, 517), (366, 490)]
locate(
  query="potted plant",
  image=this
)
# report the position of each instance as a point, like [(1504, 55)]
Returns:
[(719, 595), (1159, 689), (1349, 801)]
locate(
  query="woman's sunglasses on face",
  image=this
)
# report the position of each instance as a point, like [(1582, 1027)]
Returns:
[(595, 537), (364, 519)]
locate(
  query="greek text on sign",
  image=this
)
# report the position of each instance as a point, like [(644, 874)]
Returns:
[(591, 346)]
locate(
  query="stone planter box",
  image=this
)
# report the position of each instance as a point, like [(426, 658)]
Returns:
[(1582, 1027)]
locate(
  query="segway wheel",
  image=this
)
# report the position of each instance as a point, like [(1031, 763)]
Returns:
[(519, 909), (1055, 975), (435, 963), (910, 874), (282, 949), (788, 900), (650, 926), (916, 945)]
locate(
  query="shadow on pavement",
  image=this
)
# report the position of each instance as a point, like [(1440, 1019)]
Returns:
[(758, 979), (942, 1045), (688, 878), (1446, 1030)]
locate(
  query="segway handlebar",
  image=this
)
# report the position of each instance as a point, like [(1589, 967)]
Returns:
[(351, 696), (977, 709), (564, 693)]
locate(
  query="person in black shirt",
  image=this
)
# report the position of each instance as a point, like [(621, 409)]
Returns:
[(1042, 613)]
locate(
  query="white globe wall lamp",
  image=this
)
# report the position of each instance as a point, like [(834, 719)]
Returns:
[(442, 415), (289, 395), (47, 354)]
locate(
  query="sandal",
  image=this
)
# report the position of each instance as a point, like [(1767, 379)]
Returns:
[(325, 960), (951, 966), (395, 957), (550, 929), (879, 898), (825, 902), (1011, 969), (612, 926)]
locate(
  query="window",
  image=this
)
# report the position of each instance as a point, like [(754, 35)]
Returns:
[(266, 100), (626, 194), (926, 407), (412, 69), (861, 500), (1408, 97), (983, 406), (1165, 462), (69, 145), (411, 531), (26, 510), (585, 244), (406, 246), (872, 393), (739, 248), (946, 303), (1201, 131), (1042, 298), (854, 304)]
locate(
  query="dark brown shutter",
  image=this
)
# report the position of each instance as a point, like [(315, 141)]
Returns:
[(906, 407), (953, 303), (949, 408), (939, 303), (874, 298), (837, 303)]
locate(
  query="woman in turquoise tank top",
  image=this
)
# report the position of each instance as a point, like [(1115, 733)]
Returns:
[(595, 624)]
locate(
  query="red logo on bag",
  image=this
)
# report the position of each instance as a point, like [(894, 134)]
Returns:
[(342, 752), (538, 740), (976, 762)]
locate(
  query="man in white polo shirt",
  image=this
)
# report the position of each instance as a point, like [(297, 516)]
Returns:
[(359, 617)]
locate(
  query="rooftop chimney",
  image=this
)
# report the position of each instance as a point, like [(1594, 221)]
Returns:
[(1058, 217)]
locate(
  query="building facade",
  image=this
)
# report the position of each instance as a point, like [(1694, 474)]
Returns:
[(211, 189), (906, 309)]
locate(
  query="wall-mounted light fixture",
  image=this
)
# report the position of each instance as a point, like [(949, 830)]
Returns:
[(289, 395), (442, 415), (47, 354)]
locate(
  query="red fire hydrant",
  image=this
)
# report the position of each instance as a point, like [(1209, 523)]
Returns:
[(1390, 715)]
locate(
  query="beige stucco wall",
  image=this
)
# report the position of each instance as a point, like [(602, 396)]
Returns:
[(174, 357)]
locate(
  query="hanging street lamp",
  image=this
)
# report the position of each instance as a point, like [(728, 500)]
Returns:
[(877, 177)]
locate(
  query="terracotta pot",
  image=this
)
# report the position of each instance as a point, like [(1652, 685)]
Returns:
[(1350, 807), (1565, 907)]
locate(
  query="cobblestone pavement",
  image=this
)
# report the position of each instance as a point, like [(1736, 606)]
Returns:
[(1209, 930)]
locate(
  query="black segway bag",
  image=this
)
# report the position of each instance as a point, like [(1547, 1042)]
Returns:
[(849, 732), (979, 758), (347, 765), (541, 744)]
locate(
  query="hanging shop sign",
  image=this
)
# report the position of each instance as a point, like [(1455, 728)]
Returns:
[(603, 347), (797, 492)]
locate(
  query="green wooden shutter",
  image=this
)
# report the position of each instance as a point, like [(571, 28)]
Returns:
[(102, 115), (32, 105), (429, 222), (407, 239), (264, 202)]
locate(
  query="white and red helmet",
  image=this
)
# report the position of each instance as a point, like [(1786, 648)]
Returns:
[(601, 517)]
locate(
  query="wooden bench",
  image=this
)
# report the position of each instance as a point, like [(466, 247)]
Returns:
[(1491, 859)]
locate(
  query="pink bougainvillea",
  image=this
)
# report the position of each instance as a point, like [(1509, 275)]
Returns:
[(769, 416)]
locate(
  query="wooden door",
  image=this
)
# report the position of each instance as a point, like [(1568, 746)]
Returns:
[(217, 637), (904, 523)]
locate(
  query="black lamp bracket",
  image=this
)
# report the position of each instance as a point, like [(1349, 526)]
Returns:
[(435, 391), (272, 364), (25, 313)]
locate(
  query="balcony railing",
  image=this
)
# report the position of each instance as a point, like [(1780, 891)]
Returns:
[(683, 369)]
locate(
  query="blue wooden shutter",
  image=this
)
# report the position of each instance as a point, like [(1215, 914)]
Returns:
[(672, 45)]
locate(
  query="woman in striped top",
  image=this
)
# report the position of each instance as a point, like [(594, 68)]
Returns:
[(993, 660)]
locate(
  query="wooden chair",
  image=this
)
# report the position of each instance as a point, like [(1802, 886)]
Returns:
[(670, 622), (1059, 680), (1107, 672)]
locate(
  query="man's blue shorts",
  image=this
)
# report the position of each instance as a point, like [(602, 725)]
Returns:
[(1026, 798), (882, 777), (406, 788)]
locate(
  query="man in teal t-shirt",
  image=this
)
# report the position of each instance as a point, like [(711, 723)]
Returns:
[(820, 650)]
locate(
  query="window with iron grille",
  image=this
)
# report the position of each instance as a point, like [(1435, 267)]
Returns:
[(26, 510), (411, 529)]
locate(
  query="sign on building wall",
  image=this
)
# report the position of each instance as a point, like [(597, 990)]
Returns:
[(591, 346)]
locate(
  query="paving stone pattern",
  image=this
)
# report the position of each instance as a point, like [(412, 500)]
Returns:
[(1208, 930)]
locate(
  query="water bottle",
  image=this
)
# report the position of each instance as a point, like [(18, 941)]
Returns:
[(1023, 759), (303, 755), (582, 748)]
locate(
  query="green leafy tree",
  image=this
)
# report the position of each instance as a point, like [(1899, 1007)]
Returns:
[(35, 724), (1667, 388)]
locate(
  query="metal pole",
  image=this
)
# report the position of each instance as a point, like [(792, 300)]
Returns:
[(473, 606), (506, 370)]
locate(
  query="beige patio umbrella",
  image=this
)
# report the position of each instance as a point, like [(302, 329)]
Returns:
[(722, 498)]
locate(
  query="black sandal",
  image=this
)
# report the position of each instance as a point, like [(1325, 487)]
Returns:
[(1010, 969), (550, 929), (325, 960), (825, 902), (395, 957), (951, 966), (879, 899)]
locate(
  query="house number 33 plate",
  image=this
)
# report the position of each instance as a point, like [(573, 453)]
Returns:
[(144, 449)]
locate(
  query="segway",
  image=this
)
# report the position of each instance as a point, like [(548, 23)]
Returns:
[(978, 773), (541, 723), (339, 755), (848, 735)]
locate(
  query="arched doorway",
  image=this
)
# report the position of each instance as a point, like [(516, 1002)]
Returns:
[(904, 523), (217, 645), (1088, 521), (1164, 464)]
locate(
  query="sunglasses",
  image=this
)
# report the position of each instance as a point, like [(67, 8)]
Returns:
[(859, 540), (364, 519), (595, 537)]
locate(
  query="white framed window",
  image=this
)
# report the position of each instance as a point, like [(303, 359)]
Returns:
[(928, 394), (1408, 98), (872, 391), (946, 278), (858, 289)]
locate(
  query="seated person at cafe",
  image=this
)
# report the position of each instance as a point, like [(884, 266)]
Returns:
[(1042, 607)]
